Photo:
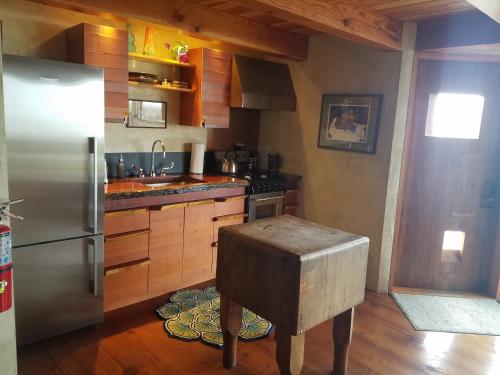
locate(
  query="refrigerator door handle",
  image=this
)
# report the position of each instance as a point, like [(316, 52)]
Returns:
[(95, 269), (94, 213)]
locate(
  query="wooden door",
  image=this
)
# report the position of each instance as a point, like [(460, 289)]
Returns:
[(449, 200), (166, 244), (198, 241)]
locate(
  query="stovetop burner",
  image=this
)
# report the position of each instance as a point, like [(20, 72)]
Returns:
[(263, 182)]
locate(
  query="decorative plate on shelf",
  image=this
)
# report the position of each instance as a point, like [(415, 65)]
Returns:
[(143, 77)]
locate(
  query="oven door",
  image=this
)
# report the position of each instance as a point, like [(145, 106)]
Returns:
[(265, 205)]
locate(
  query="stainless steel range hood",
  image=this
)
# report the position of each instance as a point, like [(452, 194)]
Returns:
[(259, 84)]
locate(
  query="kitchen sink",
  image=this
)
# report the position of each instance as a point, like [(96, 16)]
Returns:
[(159, 184), (161, 181)]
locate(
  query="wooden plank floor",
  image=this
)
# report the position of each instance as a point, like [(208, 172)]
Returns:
[(132, 341)]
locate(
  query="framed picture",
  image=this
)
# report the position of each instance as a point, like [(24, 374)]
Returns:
[(350, 122), (147, 114)]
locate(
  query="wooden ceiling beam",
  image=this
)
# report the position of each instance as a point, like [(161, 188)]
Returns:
[(460, 30), (200, 22), (344, 19), (489, 7)]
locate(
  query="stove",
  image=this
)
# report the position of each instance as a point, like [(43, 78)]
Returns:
[(262, 182)]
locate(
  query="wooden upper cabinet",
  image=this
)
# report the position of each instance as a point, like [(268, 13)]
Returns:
[(211, 79), (107, 47)]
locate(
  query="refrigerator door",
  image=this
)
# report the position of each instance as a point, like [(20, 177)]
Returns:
[(54, 115), (58, 287)]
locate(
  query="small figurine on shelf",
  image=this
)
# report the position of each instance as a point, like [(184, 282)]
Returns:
[(149, 48), (180, 52), (131, 39)]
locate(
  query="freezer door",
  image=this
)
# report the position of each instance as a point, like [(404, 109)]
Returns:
[(57, 287), (54, 116)]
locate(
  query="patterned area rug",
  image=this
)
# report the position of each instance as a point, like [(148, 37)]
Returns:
[(451, 314), (193, 314)]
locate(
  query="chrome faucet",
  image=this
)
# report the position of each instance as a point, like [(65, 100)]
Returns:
[(152, 173)]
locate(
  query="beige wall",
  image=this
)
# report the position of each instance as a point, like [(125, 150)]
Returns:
[(342, 189), (8, 363)]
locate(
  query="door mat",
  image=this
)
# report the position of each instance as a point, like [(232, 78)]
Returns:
[(479, 316), (193, 314)]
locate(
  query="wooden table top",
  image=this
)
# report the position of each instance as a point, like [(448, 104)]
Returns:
[(297, 237)]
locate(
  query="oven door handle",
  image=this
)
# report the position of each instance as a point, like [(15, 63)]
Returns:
[(268, 199)]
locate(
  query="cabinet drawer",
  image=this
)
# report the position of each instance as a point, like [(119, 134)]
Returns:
[(230, 205), (123, 248), (125, 285), (125, 221)]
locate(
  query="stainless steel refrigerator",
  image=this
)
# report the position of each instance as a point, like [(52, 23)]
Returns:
[(54, 114)]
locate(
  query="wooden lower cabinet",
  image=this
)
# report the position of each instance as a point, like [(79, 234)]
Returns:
[(220, 222), (290, 202), (174, 247), (125, 285), (166, 248), (127, 247), (198, 240), (229, 206), (125, 221)]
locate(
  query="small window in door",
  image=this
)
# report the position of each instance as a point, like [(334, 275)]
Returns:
[(452, 115), (453, 246)]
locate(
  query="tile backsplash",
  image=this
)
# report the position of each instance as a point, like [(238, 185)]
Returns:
[(143, 160)]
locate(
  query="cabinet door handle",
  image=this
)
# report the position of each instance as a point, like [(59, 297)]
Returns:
[(127, 235), (169, 206), (229, 217), (230, 199), (140, 211), (200, 203), (269, 199), (126, 266)]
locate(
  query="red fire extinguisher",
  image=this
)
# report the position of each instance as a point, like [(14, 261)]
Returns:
[(5, 268)]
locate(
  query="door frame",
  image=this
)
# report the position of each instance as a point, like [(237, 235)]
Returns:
[(494, 289)]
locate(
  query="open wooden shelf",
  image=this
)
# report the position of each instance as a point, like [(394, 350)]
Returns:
[(159, 87), (158, 60)]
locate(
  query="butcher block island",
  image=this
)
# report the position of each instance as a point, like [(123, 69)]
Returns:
[(161, 233)]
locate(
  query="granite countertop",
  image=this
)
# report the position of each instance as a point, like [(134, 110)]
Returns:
[(135, 188)]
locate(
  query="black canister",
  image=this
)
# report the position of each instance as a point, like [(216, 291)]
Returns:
[(274, 163)]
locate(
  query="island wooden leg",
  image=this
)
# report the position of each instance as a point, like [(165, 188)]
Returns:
[(342, 333), (289, 352), (230, 319)]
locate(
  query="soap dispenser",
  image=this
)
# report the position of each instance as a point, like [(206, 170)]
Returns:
[(121, 167)]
